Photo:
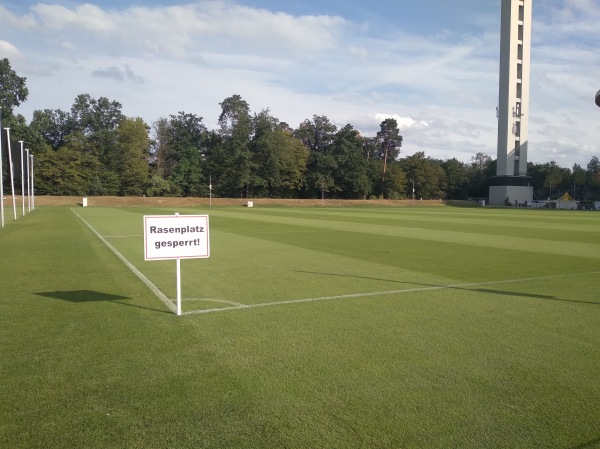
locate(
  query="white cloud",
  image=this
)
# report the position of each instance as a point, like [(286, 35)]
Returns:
[(85, 17), (403, 122), (21, 23), (8, 50), (173, 31), (442, 89)]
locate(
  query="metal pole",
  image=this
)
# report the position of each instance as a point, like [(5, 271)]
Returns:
[(178, 281), (178, 286), (32, 189), (413, 192), (210, 190), (28, 159), (22, 178), (12, 179)]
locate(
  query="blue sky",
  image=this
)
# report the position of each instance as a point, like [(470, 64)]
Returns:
[(431, 64)]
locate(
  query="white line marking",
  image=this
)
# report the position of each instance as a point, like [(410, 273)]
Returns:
[(137, 272), (122, 236), (224, 301), (389, 292)]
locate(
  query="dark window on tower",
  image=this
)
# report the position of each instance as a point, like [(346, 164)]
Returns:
[(521, 13)]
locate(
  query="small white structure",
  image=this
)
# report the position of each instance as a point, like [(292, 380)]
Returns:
[(566, 202), (562, 204)]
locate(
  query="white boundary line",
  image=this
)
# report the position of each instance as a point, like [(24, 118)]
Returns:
[(123, 236), (389, 292), (224, 301), (172, 307)]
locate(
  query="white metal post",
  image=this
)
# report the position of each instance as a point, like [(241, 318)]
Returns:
[(178, 281), (22, 178), (28, 181), (12, 179), (32, 189), (178, 286)]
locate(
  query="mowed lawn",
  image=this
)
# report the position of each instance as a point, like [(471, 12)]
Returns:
[(306, 328)]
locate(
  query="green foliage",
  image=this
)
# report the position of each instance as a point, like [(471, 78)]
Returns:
[(53, 126), (279, 158), (67, 171), (108, 183), (247, 156), (132, 157), (593, 172), (317, 135), (456, 179), (13, 90), (179, 152), (352, 169), (158, 187), (235, 165), (428, 176)]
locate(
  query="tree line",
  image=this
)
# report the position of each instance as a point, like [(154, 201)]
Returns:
[(94, 149)]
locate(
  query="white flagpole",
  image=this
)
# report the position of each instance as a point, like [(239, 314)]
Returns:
[(1, 182), (32, 189), (27, 159), (22, 178), (12, 179)]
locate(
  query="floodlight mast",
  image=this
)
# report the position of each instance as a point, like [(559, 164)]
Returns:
[(12, 177), (32, 187), (22, 178), (28, 160)]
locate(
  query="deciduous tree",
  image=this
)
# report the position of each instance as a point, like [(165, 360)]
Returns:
[(13, 90)]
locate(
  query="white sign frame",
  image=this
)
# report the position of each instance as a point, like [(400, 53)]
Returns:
[(176, 237)]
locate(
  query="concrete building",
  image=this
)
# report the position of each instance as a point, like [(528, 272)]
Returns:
[(511, 181)]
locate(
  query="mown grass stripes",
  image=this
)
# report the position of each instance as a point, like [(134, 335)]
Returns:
[(445, 340)]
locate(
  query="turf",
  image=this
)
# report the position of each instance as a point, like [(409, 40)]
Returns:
[(306, 328)]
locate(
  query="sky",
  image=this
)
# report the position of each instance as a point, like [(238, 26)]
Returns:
[(430, 64)]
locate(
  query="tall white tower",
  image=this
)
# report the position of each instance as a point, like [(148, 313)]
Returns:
[(511, 181)]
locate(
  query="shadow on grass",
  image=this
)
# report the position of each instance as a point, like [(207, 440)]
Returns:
[(82, 296), (453, 287)]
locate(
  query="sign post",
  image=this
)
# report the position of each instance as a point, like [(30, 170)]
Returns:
[(176, 237)]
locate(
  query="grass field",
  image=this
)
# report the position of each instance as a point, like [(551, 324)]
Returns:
[(306, 328)]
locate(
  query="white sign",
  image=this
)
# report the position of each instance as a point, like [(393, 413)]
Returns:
[(176, 237)]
